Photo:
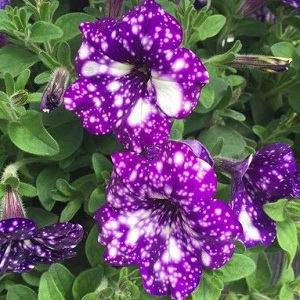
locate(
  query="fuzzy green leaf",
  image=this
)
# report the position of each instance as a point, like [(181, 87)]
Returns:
[(30, 135)]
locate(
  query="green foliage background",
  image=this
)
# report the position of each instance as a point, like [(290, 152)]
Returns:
[(63, 170)]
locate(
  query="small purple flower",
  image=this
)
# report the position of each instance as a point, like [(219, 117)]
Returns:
[(22, 244), (3, 37), (134, 77), (271, 174), (293, 3), (161, 215)]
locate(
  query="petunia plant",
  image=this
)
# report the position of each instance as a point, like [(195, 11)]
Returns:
[(149, 149)]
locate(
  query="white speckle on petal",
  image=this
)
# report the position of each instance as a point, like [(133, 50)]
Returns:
[(206, 259), (250, 231), (139, 113), (169, 96)]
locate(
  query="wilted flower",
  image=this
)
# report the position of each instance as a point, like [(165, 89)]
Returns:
[(269, 175), (161, 215), (134, 77), (54, 91), (23, 244)]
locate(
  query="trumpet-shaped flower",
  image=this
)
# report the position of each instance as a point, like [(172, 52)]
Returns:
[(271, 174), (22, 244), (161, 215), (134, 77)]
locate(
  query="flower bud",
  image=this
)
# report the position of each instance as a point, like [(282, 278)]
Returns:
[(269, 64), (19, 98), (12, 206), (113, 8), (249, 6), (54, 91)]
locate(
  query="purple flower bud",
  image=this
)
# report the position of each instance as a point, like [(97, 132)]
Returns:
[(54, 91), (12, 206), (113, 8), (269, 64), (247, 7)]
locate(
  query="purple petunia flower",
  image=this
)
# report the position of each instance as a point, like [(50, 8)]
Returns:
[(294, 3), (161, 215), (134, 77), (22, 244), (271, 174)]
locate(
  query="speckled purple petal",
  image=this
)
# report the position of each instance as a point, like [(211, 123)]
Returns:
[(257, 226), (17, 228), (178, 174), (4, 257), (20, 261), (178, 76), (199, 150), (60, 236), (100, 104), (167, 266), (132, 171), (271, 169), (296, 182), (294, 3), (147, 29), (144, 127), (146, 237), (215, 227)]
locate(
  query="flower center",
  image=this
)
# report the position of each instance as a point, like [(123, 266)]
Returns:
[(144, 71), (167, 210)]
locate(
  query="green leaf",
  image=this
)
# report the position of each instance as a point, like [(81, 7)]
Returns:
[(42, 32), (27, 190), (20, 292), (30, 135), (210, 27), (87, 282), (294, 97), (15, 59), (233, 143), (206, 291), (207, 96), (262, 274), (64, 54), (94, 251), (97, 199), (9, 84), (287, 238), (69, 24), (22, 80), (63, 279), (177, 130), (101, 164), (48, 289), (45, 183), (283, 49), (70, 210), (64, 134), (276, 210), (285, 293), (239, 266), (41, 217)]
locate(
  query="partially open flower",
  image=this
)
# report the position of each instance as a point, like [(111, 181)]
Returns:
[(22, 244), (134, 77), (161, 215), (271, 174), (54, 91)]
